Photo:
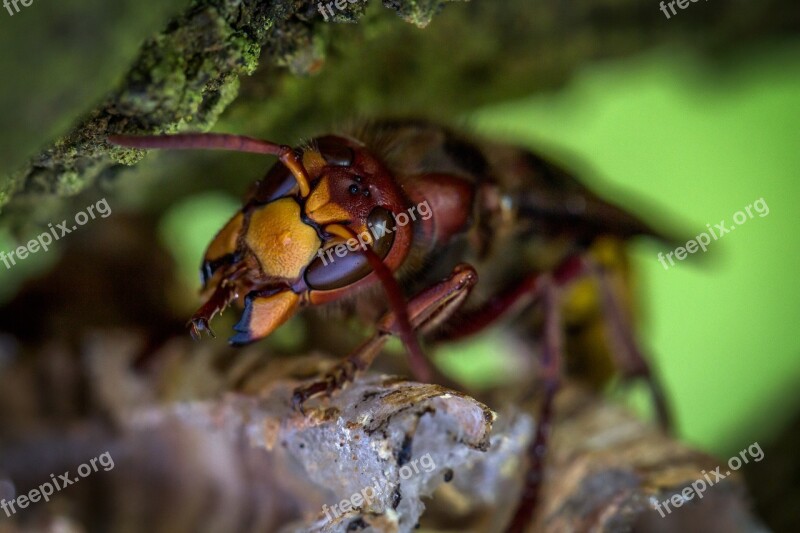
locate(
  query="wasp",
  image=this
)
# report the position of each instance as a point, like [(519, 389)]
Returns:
[(423, 231)]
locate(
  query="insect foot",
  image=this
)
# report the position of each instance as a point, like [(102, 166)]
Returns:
[(197, 326), (335, 380)]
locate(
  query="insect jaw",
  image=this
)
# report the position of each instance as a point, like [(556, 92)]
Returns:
[(264, 312)]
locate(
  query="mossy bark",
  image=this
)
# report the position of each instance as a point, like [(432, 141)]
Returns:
[(474, 53), (183, 78)]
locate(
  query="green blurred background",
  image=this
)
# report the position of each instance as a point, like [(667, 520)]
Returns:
[(703, 144)]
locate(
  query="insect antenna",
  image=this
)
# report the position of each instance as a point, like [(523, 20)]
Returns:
[(220, 141), (397, 301)]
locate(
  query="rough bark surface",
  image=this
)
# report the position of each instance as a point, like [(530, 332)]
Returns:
[(199, 449)]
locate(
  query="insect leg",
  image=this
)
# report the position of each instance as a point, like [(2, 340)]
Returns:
[(550, 358), (419, 364), (629, 358), (428, 309), (425, 311), (519, 295), (219, 300)]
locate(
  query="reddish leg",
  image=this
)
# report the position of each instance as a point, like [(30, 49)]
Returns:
[(628, 356), (219, 300), (465, 324), (550, 357), (531, 289), (425, 311), (520, 295), (420, 366)]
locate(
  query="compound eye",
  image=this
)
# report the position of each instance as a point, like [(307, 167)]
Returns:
[(382, 227), (277, 183), (334, 152), (334, 271)]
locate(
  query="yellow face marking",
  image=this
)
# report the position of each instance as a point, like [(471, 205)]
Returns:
[(313, 161), (280, 240), (271, 312), (319, 207), (225, 241)]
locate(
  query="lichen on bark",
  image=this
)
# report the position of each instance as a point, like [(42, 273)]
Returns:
[(183, 78)]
